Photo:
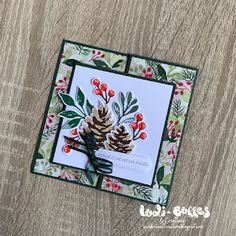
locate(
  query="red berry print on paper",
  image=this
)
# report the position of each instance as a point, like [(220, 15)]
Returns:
[(182, 87), (148, 73), (96, 55), (50, 120), (62, 85), (113, 185)]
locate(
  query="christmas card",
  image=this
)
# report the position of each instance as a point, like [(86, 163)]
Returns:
[(114, 122)]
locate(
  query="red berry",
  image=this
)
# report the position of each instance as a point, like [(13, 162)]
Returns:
[(47, 127), (52, 115), (143, 135), (144, 71), (74, 132), (99, 52), (176, 92), (134, 125), (177, 136), (176, 122), (65, 78), (189, 83), (104, 87), (115, 185), (149, 69), (181, 92), (49, 120), (96, 82), (60, 81), (103, 55), (66, 149), (93, 51), (119, 187), (169, 152), (108, 180), (142, 125), (107, 185), (181, 84), (171, 122), (139, 117), (98, 91), (179, 130), (111, 93)]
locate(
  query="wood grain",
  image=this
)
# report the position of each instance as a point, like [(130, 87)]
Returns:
[(198, 33)]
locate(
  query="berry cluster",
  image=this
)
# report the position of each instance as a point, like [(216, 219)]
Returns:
[(50, 120), (62, 85), (173, 133), (74, 135), (102, 90), (96, 55), (172, 152), (113, 184), (137, 127), (181, 87), (147, 73)]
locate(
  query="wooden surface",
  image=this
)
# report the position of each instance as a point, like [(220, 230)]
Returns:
[(198, 33)]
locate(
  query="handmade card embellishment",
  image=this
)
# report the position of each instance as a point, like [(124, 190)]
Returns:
[(114, 122), (117, 109)]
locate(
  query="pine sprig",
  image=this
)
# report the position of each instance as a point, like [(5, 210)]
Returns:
[(49, 132), (143, 191), (188, 75), (82, 50), (177, 108)]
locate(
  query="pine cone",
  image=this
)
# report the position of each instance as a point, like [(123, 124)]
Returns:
[(100, 123), (119, 140)]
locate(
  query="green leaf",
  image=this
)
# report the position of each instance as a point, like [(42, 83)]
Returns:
[(162, 72), (88, 107), (116, 108), (68, 53), (117, 64), (129, 97), (70, 62), (166, 187), (39, 156), (66, 99), (122, 98), (133, 109), (68, 114), (127, 182), (101, 64), (72, 123), (160, 175), (80, 96), (166, 179), (133, 102)]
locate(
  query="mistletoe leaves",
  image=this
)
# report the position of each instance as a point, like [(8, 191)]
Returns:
[(127, 105), (78, 113)]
